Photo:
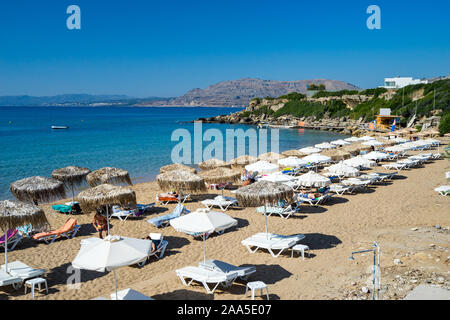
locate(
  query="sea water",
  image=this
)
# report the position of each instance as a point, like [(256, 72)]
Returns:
[(137, 139)]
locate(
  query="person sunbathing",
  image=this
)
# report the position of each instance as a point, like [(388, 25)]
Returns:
[(154, 242), (100, 224)]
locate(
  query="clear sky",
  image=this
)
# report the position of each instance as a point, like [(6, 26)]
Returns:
[(166, 47)]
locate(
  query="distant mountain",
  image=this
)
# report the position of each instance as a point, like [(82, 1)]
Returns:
[(223, 94), (73, 99), (240, 92)]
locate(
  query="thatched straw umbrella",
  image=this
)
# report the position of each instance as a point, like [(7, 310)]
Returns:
[(71, 176), (220, 175), (294, 153), (242, 161), (353, 149), (181, 180), (106, 195), (337, 155), (176, 166), (37, 189), (271, 157), (15, 214), (108, 175), (213, 163), (263, 193)]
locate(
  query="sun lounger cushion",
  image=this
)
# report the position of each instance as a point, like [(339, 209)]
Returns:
[(68, 226), (220, 266), (23, 271), (10, 233)]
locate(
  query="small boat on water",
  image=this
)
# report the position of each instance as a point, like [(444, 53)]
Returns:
[(60, 127)]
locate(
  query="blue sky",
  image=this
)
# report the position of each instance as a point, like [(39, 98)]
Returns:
[(164, 48)]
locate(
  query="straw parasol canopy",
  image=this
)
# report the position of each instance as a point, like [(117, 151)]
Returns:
[(353, 149), (213, 163), (37, 189), (105, 195), (263, 192), (176, 166), (294, 153), (181, 180), (337, 154), (309, 150), (242, 161), (108, 175), (271, 157), (71, 175), (15, 214), (220, 175)]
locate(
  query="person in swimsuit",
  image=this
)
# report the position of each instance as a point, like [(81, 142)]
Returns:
[(100, 224)]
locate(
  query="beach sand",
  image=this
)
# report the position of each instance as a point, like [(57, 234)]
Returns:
[(386, 213)]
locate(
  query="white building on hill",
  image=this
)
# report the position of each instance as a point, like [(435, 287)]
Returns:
[(400, 82)]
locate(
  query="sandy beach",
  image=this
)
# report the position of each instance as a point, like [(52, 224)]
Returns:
[(400, 215)]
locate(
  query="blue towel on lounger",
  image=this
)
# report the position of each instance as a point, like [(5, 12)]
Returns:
[(178, 211)]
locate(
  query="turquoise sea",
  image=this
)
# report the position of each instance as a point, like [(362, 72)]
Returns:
[(131, 138)]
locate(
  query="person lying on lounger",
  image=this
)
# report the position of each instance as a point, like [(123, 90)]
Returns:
[(100, 224), (154, 242)]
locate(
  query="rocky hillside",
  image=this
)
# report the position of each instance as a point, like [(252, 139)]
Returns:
[(419, 106), (240, 92)]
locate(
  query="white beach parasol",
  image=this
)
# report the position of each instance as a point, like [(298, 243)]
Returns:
[(366, 138), (310, 150), (340, 142), (312, 179), (291, 162), (278, 177), (111, 253), (372, 143), (262, 167), (375, 155), (359, 162), (202, 222), (325, 146), (343, 170), (352, 139), (316, 158)]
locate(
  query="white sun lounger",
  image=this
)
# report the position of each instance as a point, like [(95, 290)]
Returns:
[(339, 189), (316, 201), (282, 212), (273, 242), (159, 250), (128, 294), (222, 202), (20, 270), (443, 190), (6, 279), (395, 166), (12, 242), (206, 277), (220, 266)]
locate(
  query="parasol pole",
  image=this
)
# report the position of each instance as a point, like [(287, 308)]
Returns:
[(115, 283), (6, 248), (204, 248), (73, 194), (265, 219), (107, 217)]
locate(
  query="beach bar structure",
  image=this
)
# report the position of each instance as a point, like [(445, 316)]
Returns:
[(385, 120)]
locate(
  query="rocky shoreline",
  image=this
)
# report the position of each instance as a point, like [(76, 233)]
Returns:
[(344, 125)]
